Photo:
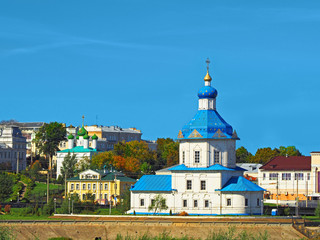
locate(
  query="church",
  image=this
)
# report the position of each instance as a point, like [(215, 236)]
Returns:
[(206, 181)]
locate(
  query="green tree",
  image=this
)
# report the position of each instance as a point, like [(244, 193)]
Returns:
[(47, 139), (125, 201), (158, 204), (290, 151), (167, 152), (263, 155), (102, 160), (6, 186), (68, 165), (83, 164), (243, 156)]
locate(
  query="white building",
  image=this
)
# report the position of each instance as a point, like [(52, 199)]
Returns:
[(12, 149), (81, 150), (207, 180)]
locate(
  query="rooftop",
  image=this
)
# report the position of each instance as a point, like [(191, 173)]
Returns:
[(292, 163), (154, 183), (240, 184), (215, 167), (78, 149)]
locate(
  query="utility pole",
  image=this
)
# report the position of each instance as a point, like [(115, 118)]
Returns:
[(65, 184), (297, 199), (47, 187), (307, 192), (17, 162), (277, 192)]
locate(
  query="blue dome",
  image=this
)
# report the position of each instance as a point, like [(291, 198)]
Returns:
[(207, 92)]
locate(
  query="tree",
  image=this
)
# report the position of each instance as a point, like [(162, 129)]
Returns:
[(263, 155), (83, 164), (242, 155), (6, 185), (167, 152), (102, 159), (34, 170), (290, 151), (158, 204), (47, 139), (68, 165)]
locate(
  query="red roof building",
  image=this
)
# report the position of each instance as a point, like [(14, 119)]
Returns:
[(291, 163)]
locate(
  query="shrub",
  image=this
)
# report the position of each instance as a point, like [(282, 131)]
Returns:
[(317, 211), (7, 209), (183, 214), (286, 211), (0, 208), (170, 213)]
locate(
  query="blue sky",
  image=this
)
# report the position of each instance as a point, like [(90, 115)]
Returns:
[(141, 63)]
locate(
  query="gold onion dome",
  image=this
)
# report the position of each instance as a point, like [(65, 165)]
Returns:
[(207, 77)]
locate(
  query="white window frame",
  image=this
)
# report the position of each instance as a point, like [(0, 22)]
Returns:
[(229, 202), (216, 157), (197, 156), (203, 185), (189, 184)]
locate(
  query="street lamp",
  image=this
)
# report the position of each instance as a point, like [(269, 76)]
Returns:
[(72, 206), (69, 205)]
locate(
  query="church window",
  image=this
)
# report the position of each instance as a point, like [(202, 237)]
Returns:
[(142, 202), (197, 156), (153, 202), (183, 157), (185, 203), (195, 203), (189, 185), (246, 202), (206, 203), (216, 156), (203, 185), (228, 201)]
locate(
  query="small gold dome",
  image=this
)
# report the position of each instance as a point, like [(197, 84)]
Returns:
[(207, 77)]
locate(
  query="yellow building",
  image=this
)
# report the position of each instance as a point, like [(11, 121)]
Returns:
[(104, 186)]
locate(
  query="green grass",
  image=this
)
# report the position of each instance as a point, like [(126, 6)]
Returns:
[(312, 218), (41, 188)]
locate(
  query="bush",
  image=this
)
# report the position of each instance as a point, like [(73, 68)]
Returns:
[(7, 209), (286, 211), (317, 211), (183, 214)]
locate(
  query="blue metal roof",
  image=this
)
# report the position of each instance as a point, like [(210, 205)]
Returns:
[(160, 183), (240, 184), (79, 149), (215, 167), (207, 92), (207, 124)]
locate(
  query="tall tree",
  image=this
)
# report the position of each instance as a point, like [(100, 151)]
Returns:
[(68, 165), (102, 159), (243, 155), (290, 151), (263, 155), (6, 185), (47, 139), (167, 152)]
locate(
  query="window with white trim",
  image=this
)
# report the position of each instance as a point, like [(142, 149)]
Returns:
[(206, 203), (89, 186), (183, 157), (246, 202), (94, 186), (228, 201), (77, 186), (308, 176), (189, 185), (216, 157), (106, 186), (286, 176), (258, 202), (141, 202), (185, 203), (203, 185), (197, 156), (298, 176), (84, 186), (72, 186), (195, 203), (273, 176)]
